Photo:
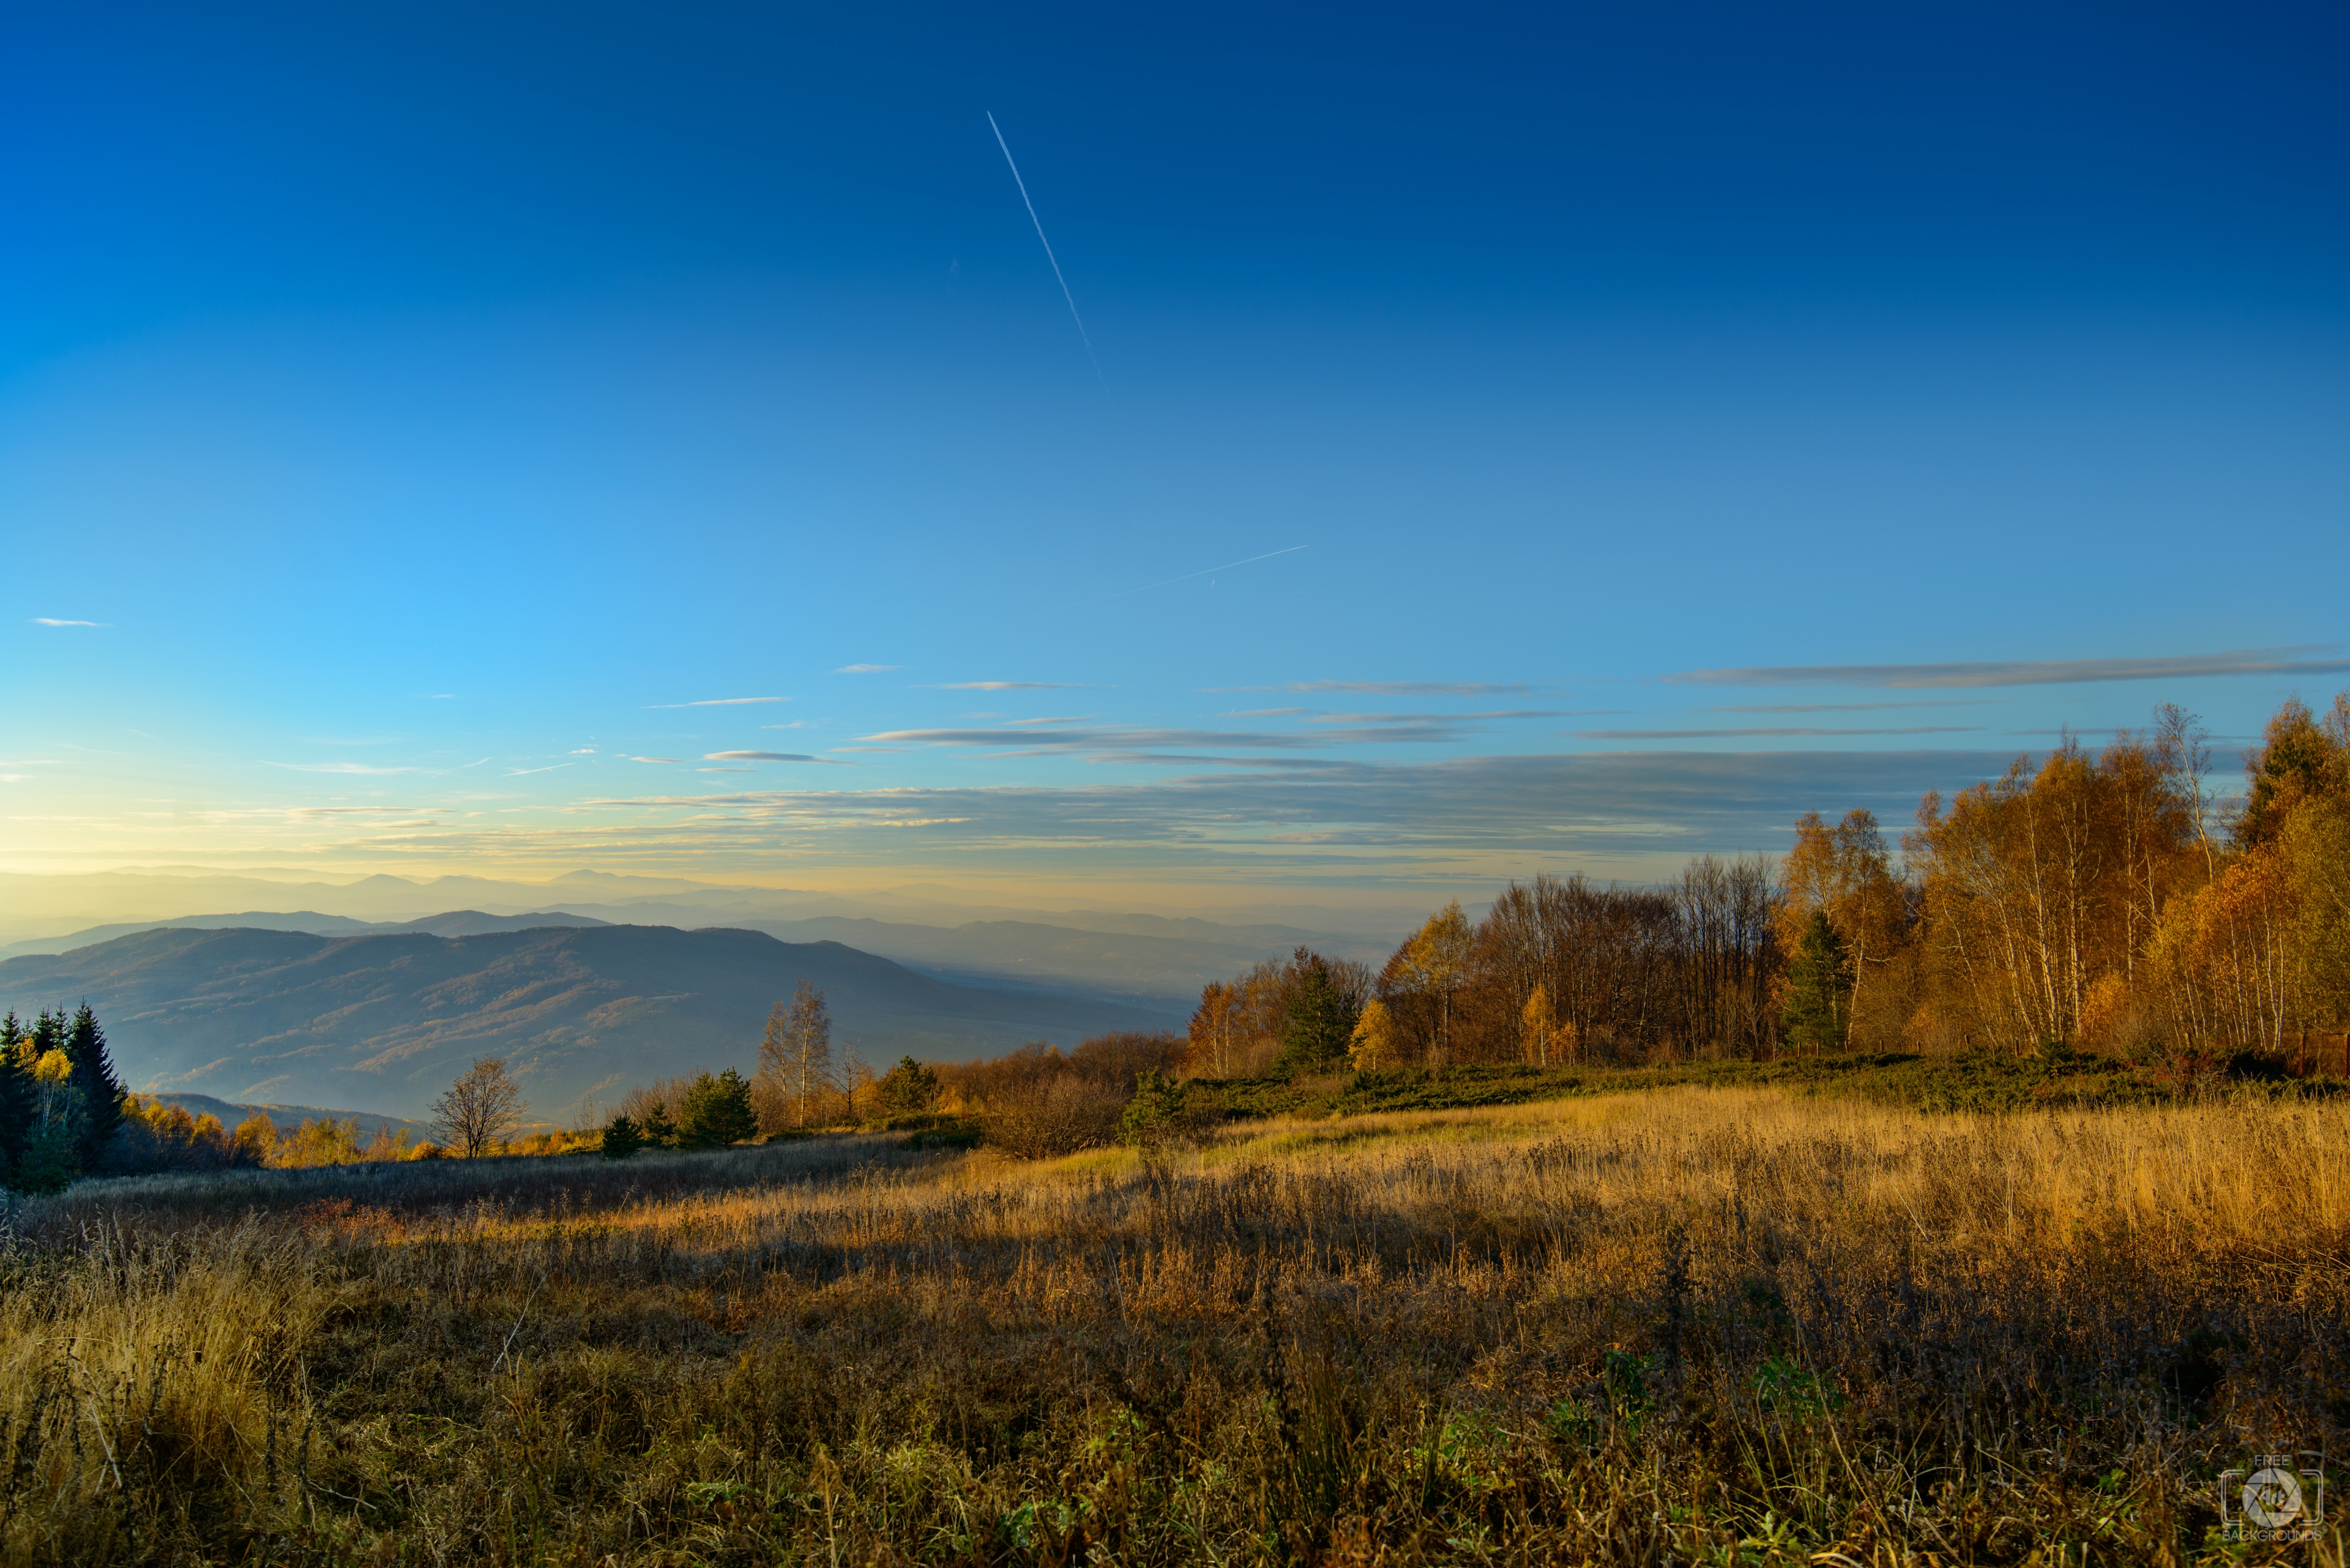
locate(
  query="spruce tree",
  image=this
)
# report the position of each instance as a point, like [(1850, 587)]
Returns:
[(621, 1139), (1819, 988), (717, 1112), (1320, 1025), (102, 1093), (16, 1105)]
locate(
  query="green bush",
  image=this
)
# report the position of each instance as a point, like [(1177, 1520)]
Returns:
[(908, 1088), (1164, 1111), (49, 1160), (949, 1133)]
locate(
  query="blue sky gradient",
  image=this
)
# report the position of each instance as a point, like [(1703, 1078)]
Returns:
[(438, 409)]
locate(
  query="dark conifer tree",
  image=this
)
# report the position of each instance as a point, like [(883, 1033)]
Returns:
[(102, 1093), (1319, 1024), (622, 1138), (1819, 988), (17, 1108), (717, 1112)]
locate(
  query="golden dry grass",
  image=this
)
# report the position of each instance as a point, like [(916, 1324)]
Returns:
[(1722, 1325)]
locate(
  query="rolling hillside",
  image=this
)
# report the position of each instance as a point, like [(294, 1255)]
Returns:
[(387, 1021)]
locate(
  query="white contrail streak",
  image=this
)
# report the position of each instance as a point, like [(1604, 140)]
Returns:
[(1187, 577), (1043, 241)]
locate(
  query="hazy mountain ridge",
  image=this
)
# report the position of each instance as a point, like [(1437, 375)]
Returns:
[(389, 1020), (451, 923), (43, 906), (1161, 960)]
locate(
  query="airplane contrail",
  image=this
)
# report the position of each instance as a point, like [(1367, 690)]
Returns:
[(1187, 577), (1043, 241)]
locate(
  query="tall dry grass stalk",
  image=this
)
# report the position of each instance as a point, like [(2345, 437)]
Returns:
[(1696, 1325)]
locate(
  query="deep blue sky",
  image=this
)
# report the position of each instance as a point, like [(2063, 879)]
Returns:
[(401, 386)]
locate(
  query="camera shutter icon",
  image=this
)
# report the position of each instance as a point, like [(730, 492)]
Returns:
[(2272, 1497)]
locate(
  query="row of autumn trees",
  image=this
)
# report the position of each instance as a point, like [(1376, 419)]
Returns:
[(64, 1114), (2104, 898)]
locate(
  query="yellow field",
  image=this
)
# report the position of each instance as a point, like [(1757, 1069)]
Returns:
[(1688, 1325)]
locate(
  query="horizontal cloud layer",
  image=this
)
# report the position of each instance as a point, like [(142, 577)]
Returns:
[(1392, 688), (1284, 819), (2028, 672), (764, 757), (1758, 731), (719, 702)]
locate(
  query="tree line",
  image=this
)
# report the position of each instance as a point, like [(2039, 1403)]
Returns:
[(2107, 898)]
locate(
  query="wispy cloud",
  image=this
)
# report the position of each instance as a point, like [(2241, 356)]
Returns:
[(2030, 672), (1480, 816), (342, 768), (718, 702), (1392, 688), (518, 773), (48, 620), (1004, 686), (656, 759), (1853, 707), (1773, 730), (867, 669), (1039, 738), (769, 757), (303, 812), (1437, 718)]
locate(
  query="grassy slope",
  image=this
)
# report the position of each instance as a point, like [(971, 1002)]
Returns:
[(1692, 1323)]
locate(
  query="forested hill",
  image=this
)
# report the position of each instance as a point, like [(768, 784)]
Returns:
[(387, 1022)]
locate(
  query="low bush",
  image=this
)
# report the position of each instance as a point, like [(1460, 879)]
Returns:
[(1977, 1082), (1060, 1116)]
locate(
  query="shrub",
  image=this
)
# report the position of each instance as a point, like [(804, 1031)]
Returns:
[(48, 1161), (947, 1133), (1061, 1117), (1164, 1112), (908, 1088)]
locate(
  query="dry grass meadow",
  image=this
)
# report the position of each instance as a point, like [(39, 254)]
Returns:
[(1711, 1326)]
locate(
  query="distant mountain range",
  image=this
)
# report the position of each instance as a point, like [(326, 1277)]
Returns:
[(1143, 957), (32, 905), (389, 1020), (455, 923)]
